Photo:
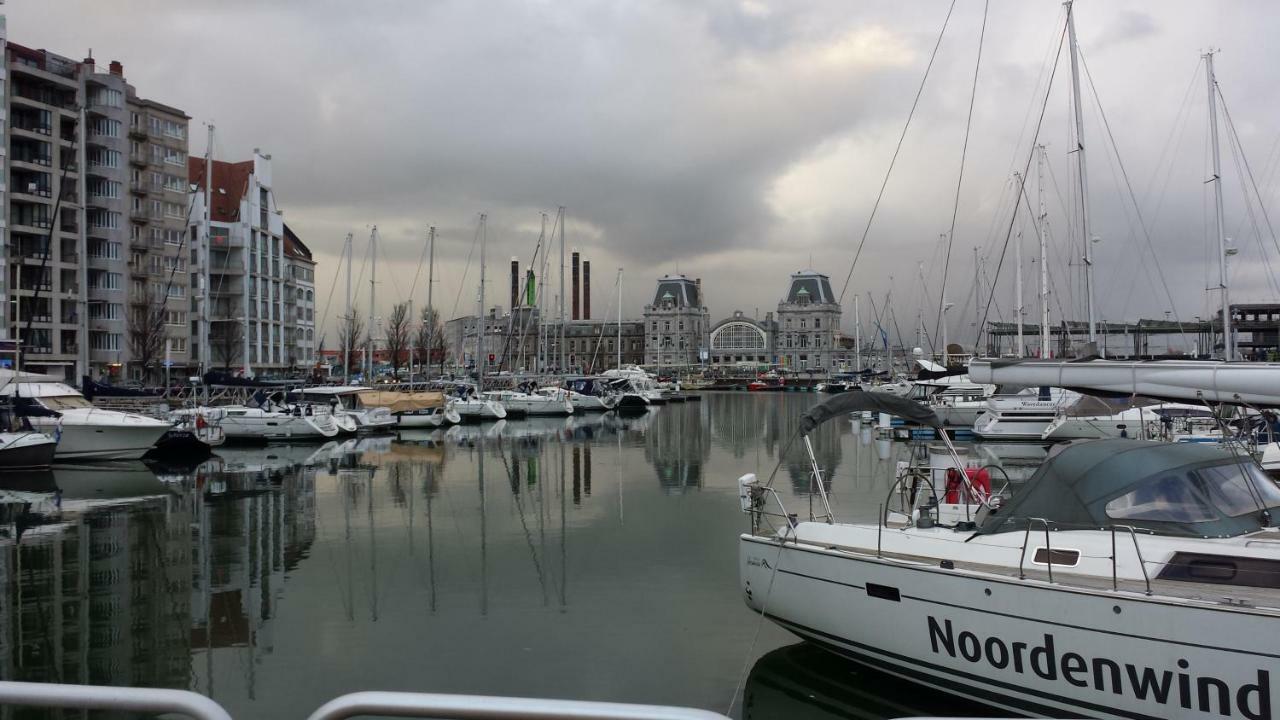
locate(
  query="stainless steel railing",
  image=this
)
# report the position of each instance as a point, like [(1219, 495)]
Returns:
[(386, 704)]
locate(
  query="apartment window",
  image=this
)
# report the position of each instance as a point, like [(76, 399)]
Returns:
[(105, 127), (108, 97), (156, 208), (157, 154), (106, 311), (155, 125), (173, 237), (157, 180), (175, 263), (174, 183), (177, 291), (175, 317), (175, 129), (104, 250), (175, 157), (103, 189), (104, 219), (173, 210), (803, 323), (817, 323), (104, 341), (178, 344), (104, 158)]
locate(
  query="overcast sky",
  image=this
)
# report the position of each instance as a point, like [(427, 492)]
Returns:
[(733, 140)]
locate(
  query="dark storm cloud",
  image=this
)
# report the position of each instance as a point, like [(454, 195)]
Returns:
[(738, 140)]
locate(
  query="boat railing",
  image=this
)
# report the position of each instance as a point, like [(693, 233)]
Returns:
[(393, 704), (1048, 552)]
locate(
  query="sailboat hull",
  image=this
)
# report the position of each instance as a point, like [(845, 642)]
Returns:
[(1026, 646)]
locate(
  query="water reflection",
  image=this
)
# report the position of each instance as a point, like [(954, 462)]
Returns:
[(805, 682), (530, 557)]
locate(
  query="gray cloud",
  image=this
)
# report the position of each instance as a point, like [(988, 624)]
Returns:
[(738, 140)]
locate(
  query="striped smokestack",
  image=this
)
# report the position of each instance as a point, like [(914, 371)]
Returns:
[(586, 289), (576, 280)]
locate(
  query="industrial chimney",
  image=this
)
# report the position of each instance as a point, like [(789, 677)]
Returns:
[(576, 280), (586, 289), (515, 284)]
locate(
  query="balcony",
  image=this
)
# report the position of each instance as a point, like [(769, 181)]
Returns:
[(137, 132), (138, 157), (142, 217), (33, 128), (138, 187), (32, 286)]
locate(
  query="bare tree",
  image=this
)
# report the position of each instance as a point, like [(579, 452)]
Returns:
[(226, 339), (430, 338), (147, 335), (398, 338), (349, 333)]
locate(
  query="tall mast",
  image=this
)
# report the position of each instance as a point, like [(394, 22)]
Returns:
[(1083, 176), (347, 340), (560, 340), (373, 276), (1041, 224), (480, 356), (857, 336), (620, 320), (431, 311), (977, 299), (206, 245), (1228, 342)]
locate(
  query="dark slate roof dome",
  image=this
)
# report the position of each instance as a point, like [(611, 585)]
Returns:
[(679, 290), (814, 285)]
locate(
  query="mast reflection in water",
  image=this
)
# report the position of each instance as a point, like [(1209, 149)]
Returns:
[(590, 557)]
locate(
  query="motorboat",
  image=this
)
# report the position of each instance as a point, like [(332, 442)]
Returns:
[(26, 450), (767, 382), (1024, 415), (957, 402), (639, 382), (413, 409), (273, 422), (1124, 579), (348, 401), (82, 431), (195, 431), (631, 399), (1143, 421), (527, 404)]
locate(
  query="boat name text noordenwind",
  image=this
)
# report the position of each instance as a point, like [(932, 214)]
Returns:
[(1166, 687)]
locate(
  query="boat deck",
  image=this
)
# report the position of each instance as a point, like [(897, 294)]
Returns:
[(1256, 599)]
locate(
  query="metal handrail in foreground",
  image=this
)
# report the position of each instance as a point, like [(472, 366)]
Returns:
[(101, 697), (481, 707)]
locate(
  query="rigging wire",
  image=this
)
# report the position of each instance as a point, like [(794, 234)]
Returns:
[(964, 152), (1030, 154), (1231, 126), (897, 149), (1124, 174)]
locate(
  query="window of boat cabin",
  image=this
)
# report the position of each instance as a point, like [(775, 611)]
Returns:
[(1198, 495)]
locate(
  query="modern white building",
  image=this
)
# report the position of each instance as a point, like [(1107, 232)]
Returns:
[(251, 317)]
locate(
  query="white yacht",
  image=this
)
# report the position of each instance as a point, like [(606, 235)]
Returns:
[(581, 402), (1024, 415), (640, 383), (195, 429), (957, 401), (473, 408), (1125, 578), (518, 403), (346, 402), (589, 393), (1144, 421), (423, 409), (272, 422), (82, 431)]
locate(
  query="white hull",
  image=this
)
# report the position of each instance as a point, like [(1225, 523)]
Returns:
[(1025, 645), (101, 438), (959, 415), (479, 410), (253, 425)]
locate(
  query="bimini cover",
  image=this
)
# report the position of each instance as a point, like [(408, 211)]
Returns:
[(845, 403), (1188, 489), (401, 401)]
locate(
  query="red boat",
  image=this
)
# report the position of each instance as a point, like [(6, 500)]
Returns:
[(766, 383)]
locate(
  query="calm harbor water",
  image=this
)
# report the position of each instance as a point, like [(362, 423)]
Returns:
[(588, 558)]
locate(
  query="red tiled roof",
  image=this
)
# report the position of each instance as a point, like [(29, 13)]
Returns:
[(230, 183), (293, 246)]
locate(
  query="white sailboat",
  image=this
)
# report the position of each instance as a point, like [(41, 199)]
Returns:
[(1124, 579), (347, 401), (272, 422)]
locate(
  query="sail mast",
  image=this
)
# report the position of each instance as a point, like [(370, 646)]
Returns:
[(1228, 342), (857, 336), (560, 339), (346, 318), (431, 311), (373, 274), (480, 356), (620, 319), (1044, 257), (1083, 175)]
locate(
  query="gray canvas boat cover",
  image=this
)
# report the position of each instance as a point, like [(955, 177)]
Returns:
[(1185, 489), (845, 403)]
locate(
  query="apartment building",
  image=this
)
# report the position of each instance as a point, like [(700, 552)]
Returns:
[(252, 286), (96, 206), (158, 325)]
